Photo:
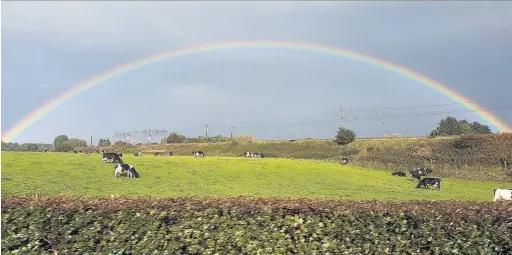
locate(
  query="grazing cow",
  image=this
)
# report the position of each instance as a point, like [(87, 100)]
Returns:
[(426, 182), (248, 154), (169, 153), (114, 157), (344, 161), (197, 154), (45, 150), (398, 174), (138, 154), (86, 153), (415, 175), (502, 194), (125, 169)]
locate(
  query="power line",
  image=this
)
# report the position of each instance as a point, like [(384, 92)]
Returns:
[(422, 106), (397, 116), (347, 111)]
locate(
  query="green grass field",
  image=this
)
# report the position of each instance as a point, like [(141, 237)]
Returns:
[(49, 174)]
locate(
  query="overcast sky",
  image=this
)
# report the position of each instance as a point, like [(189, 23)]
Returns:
[(49, 47)]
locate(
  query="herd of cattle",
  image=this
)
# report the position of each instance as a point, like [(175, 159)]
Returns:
[(120, 168), (416, 174)]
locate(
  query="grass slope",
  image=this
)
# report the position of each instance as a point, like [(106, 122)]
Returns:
[(49, 174)]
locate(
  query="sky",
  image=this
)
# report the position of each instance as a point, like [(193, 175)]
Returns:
[(49, 47)]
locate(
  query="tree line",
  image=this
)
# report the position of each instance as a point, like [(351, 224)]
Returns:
[(449, 126)]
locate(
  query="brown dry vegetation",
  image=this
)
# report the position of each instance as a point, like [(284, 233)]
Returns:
[(478, 157)]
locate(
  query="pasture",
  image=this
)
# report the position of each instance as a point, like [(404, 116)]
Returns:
[(50, 174)]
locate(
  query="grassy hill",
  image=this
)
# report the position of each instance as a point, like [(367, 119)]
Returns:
[(51, 174), (477, 157)]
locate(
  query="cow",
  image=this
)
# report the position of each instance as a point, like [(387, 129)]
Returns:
[(138, 154), (415, 175), (86, 153), (426, 182), (344, 161), (114, 157), (197, 154), (125, 169), (502, 194), (254, 155), (424, 171), (169, 153), (45, 150), (398, 174)]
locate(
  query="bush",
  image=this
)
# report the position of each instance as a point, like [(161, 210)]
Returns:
[(247, 226), (345, 136), (64, 147)]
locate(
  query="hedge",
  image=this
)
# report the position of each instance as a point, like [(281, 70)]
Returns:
[(253, 226)]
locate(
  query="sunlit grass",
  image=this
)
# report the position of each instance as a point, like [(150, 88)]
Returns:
[(48, 174)]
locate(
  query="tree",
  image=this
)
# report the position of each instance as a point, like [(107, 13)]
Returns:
[(345, 136), (3, 145), (77, 143), (175, 138), (451, 126), (64, 147), (59, 140), (480, 129), (104, 142)]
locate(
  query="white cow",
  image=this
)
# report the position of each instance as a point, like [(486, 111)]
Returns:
[(502, 194)]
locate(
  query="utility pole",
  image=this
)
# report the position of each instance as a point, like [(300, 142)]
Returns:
[(232, 131), (91, 141), (382, 120), (341, 115), (206, 129)]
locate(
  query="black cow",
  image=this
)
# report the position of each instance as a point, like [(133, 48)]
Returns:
[(398, 174), (125, 169), (114, 157), (415, 174), (426, 182), (197, 154), (344, 161)]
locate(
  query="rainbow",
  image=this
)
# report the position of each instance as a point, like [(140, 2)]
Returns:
[(40, 112)]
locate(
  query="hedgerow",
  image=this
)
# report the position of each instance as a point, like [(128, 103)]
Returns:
[(252, 226)]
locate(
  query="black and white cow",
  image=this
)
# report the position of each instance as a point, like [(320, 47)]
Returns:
[(129, 170), (502, 194), (169, 153), (344, 161), (415, 174), (254, 155), (424, 171), (398, 174), (426, 182), (114, 157), (197, 154)]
